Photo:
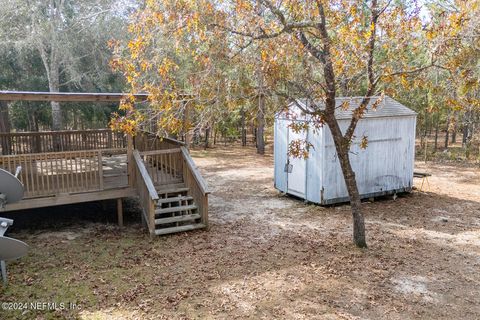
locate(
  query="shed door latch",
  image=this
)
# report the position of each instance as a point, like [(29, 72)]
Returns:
[(288, 167)]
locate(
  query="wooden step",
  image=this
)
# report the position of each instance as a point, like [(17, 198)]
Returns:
[(175, 209), (171, 181), (171, 188), (188, 227), (172, 191), (174, 199), (186, 217)]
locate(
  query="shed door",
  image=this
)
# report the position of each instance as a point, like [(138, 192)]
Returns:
[(297, 174)]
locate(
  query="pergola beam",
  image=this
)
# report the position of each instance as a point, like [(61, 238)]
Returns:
[(67, 96)]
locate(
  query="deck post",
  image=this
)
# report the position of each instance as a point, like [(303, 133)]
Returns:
[(120, 212), (100, 169), (204, 212), (130, 160), (151, 218)]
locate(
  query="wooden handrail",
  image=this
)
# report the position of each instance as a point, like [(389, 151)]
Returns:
[(147, 141), (175, 141), (196, 174), (146, 191), (43, 154), (180, 143), (145, 176), (163, 151)]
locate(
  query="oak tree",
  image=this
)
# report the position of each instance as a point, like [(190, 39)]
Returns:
[(314, 49)]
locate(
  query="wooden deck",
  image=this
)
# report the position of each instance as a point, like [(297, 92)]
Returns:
[(160, 171), (65, 167)]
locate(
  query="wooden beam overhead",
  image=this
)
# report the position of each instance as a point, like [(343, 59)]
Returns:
[(67, 96)]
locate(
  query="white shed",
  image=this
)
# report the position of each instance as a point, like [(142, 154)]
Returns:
[(384, 167)]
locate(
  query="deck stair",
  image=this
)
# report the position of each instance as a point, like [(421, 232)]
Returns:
[(175, 210), (172, 191)]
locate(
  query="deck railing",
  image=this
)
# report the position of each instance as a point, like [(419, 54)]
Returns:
[(52, 173), (197, 186), (56, 141), (85, 164), (146, 191), (164, 166), (147, 141)]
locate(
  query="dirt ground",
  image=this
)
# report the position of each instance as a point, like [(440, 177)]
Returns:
[(266, 256)]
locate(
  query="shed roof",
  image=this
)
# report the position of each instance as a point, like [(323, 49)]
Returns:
[(388, 107)]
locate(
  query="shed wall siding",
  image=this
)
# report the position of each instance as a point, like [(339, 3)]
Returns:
[(385, 165), (314, 165), (280, 138)]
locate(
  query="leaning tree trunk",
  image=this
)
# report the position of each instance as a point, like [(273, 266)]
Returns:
[(343, 147), (355, 201)]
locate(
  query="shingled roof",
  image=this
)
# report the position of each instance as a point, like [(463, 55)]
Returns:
[(388, 107)]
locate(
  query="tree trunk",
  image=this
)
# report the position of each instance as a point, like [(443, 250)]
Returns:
[(54, 86), (454, 132), (261, 107), (5, 127), (342, 148), (468, 128), (195, 136), (244, 131), (74, 120), (57, 119), (425, 156), (207, 135), (465, 129), (355, 202), (447, 133), (261, 124), (425, 129), (185, 129), (437, 128), (38, 144)]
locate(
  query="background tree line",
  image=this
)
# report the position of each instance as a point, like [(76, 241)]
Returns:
[(61, 45)]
